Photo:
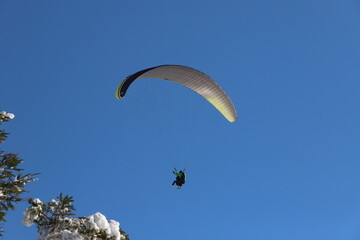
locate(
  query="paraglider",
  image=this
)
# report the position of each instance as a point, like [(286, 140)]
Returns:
[(180, 178), (190, 78)]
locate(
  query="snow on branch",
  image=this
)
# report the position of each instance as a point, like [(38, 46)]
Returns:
[(55, 220), (12, 179)]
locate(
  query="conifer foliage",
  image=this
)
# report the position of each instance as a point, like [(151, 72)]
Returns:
[(12, 180), (55, 220)]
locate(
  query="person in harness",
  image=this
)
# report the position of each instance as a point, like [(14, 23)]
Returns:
[(180, 178)]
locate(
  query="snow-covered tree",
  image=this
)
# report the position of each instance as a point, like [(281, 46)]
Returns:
[(12, 180), (55, 220), (4, 117)]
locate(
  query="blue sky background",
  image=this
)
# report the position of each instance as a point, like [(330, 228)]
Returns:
[(287, 169)]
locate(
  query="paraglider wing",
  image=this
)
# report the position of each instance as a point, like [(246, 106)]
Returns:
[(190, 78)]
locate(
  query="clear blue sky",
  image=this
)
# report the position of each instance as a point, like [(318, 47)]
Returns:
[(287, 169)]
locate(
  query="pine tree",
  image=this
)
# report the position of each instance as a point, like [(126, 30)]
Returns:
[(12, 180), (55, 220)]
